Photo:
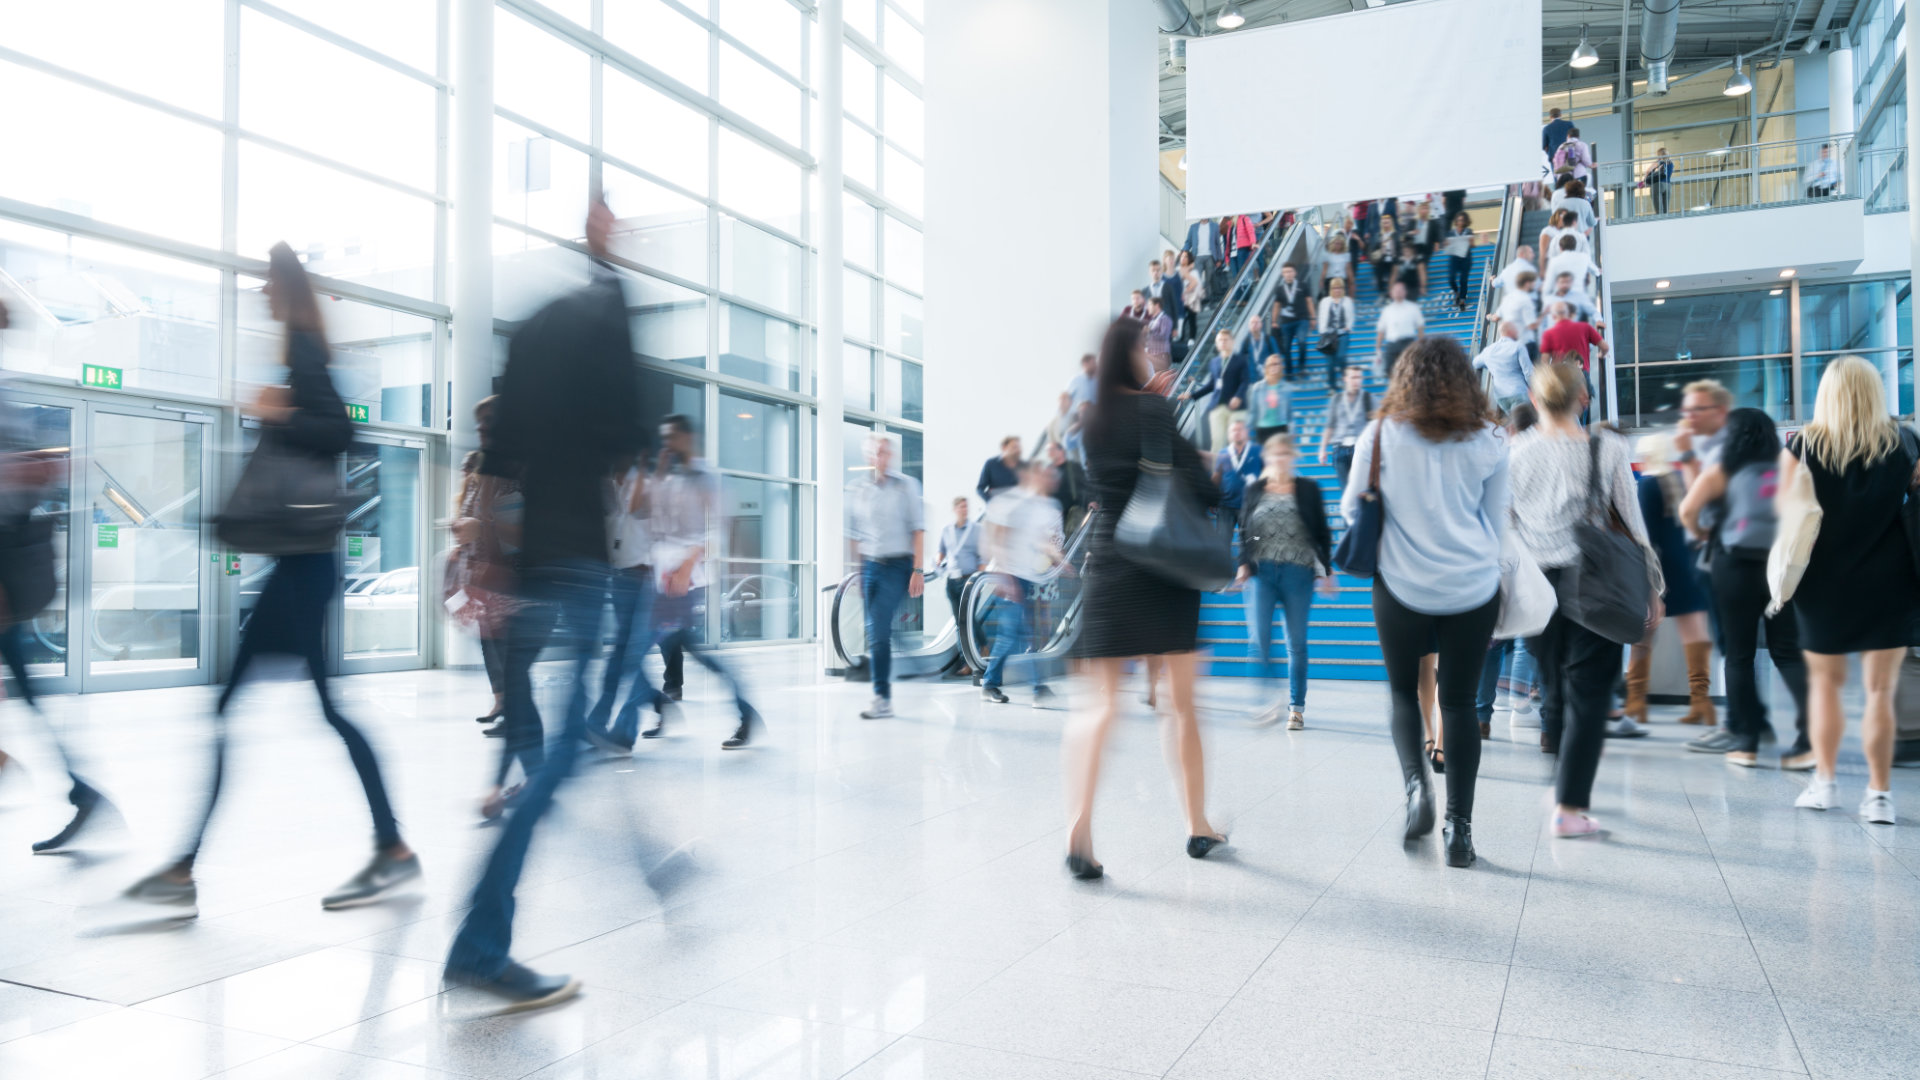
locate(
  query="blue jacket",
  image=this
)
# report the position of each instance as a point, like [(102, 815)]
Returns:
[(1234, 481), (1230, 382), (1554, 134), (1193, 237)]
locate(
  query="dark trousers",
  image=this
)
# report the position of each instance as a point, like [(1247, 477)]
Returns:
[(955, 585), (1390, 354), (563, 606), (1458, 270), (883, 585), (1740, 597), (1292, 344), (1577, 672), (493, 656), (674, 621), (1661, 190), (631, 591), (1407, 635), (13, 648), (289, 619), (1343, 464), (672, 665)]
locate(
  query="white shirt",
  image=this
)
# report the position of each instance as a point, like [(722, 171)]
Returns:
[(1577, 263), (1550, 240), (1401, 319), (1577, 300), (1507, 361), (1518, 307), (628, 543), (1552, 481), (1345, 318), (1510, 274), (1446, 506), (1032, 533)]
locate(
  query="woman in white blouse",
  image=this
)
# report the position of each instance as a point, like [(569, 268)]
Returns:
[(1552, 477), (1336, 317), (1334, 263)]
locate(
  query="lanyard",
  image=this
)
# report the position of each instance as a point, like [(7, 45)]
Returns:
[(1239, 458)]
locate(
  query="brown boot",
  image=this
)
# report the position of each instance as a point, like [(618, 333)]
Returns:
[(1639, 664), (1699, 677)]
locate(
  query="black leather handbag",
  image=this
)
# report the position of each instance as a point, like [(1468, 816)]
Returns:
[(1166, 531), (1359, 550), (1606, 589), (286, 503)]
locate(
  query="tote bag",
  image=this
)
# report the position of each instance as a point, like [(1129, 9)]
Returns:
[(1606, 588), (286, 503), (1165, 530), (1798, 512), (1359, 550), (1527, 601)]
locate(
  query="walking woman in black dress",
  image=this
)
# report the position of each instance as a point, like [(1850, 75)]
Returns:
[(1131, 612)]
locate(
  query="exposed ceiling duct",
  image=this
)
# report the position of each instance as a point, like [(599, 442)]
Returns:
[(1176, 57), (1176, 19), (1659, 28)]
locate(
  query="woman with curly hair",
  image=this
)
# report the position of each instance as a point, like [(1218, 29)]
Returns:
[(1443, 486)]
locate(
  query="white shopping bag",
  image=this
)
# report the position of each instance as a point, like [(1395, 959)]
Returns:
[(1527, 599)]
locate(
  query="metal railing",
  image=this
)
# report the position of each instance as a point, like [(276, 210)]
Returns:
[(1883, 178), (1730, 178)]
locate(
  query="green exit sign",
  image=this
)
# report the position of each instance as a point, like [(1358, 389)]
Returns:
[(96, 375), (356, 546), (359, 414), (106, 536)]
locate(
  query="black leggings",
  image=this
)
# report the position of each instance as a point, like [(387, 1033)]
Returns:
[(493, 655), (1577, 671), (1740, 600), (1406, 636)]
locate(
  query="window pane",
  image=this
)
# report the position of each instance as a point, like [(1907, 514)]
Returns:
[(59, 154), (647, 128), (904, 389), (345, 227), (913, 455), (661, 36), (1896, 369), (853, 451), (863, 15), (858, 222), (906, 121), (382, 358), (754, 346), (529, 271), (1760, 384), (668, 323), (769, 27), (860, 85), (758, 182), (759, 437), (906, 255), (305, 92), (751, 89), (760, 602), (759, 267), (1728, 324), (904, 45), (403, 29), (858, 308), (856, 377), (906, 183), (911, 7), (87, 302), (537, 181), (1850, 316), (170, 51), (860, 154), (656, 227), (903, 324), (539, 76), (662, 395)]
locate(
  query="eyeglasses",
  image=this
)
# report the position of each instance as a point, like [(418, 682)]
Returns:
[(1690, 410)]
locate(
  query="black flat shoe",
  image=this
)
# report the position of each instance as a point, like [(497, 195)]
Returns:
[(1436, 757), (1459, 834), (1084, 869), (86, 801), (1198, 846), (1419, 808)]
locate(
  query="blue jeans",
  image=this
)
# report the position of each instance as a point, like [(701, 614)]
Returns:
[(1289, 585), (1012, 636), (1337, 365), (1512, 659), (883, 585), (563, 609), (1291, 338), (673, 619), (1239, 262), (633, 634), (1342, 465)]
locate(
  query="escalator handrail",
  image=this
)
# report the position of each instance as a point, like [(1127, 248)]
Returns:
[(1071, 556), (1506, 242), (852, 581)]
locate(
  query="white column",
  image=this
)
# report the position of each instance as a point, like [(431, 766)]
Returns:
[(471, 217), (1840, 91), (829, 526), (1042, 210), (1913, 174)]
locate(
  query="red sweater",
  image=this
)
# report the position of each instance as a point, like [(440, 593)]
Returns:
[(1570, 336)]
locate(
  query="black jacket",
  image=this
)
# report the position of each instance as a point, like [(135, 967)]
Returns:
[(318, 424), (1313, 513), (569, 411), (996, 476)]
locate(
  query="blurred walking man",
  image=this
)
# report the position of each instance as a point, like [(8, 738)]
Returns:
[(886, 534)]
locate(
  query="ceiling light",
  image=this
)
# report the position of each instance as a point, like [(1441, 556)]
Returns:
[(1739, 83), (1775, 292), (1661, 284), (1584, 55), (1786, 273), (1230, 18), (1183, 161), (1660, 301)]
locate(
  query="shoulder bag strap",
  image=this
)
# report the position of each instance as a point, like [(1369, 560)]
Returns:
[(1594, 499), (1373, 467), (1156, 452)]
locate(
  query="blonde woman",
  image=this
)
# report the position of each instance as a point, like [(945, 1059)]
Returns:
[(1860, 593), (1334, 263), (1285, 550)]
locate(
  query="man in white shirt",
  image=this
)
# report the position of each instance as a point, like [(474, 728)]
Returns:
[(958, 556), (885, 531), (1520, 305), (1822, 177), (1083, 386), (1522, 263), (1024, 542), (1576, 300), (1507, 361), (1570, 260), (1399, 323)]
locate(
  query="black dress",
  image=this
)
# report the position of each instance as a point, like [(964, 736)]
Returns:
[(1130, 611), (1860, 591)]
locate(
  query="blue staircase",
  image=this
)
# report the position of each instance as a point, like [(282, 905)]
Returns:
[(1341, 640)]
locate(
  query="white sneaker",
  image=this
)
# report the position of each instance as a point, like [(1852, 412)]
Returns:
[(879, 709), (1821, 794), (1269, 715), (1526, 716), (1877, 807)]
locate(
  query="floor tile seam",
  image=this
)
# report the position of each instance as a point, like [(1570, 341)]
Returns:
[(1772, 991), (1593, 973), (143, 1007), (1639, 1050), (307, 949), (62, 993), (1500, 1010), (1026, 1054)]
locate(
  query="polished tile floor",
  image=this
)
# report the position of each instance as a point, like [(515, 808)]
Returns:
[(885, 900)]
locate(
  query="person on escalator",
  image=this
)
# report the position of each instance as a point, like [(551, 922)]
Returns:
[(1226, 379), (885, 532), (1385, 255), (1000, 473), (958, 556), (1426, 236), (1069, 486), (1347, 414), (1193, 296), (1293, 314), (1270, 403), (1024, 540), (1159, 334)]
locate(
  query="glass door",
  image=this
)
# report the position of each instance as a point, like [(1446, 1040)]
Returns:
[(40, 432), (382, 615)]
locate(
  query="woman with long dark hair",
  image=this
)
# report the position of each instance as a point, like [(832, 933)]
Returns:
[(1443, 484), (1129, 610), (304, 418)]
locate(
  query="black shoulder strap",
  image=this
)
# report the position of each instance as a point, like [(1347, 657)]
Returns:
[(1594, 496)]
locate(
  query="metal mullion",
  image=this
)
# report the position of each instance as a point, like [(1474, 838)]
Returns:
[(613, 257), (712, 26), (773, 230), (347, 43), (911, 21), (904, 152), (875, 199), (772, 478), (759, 308), (438, 398), (326, 162), (711, 377), (591, 150), (1696, 360), (133, 97), (229, 201), (1793, 344)]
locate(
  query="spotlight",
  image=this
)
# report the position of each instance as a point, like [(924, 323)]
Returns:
[(1786, 273), (1661, 284), (1183, 161), (1584, 55), (1230, 18), (1739, 83)]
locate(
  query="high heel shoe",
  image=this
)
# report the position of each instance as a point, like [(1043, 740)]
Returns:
[(1198, 846), (1419, 808), (1083, 868), (1436, 757), (1459, 835)]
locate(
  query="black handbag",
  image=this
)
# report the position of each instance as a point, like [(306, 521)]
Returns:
[(286, 503), (1330, 342), (1606, 588), (26, 568), (1910, 510), (1164, 529), (1359, 550)]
